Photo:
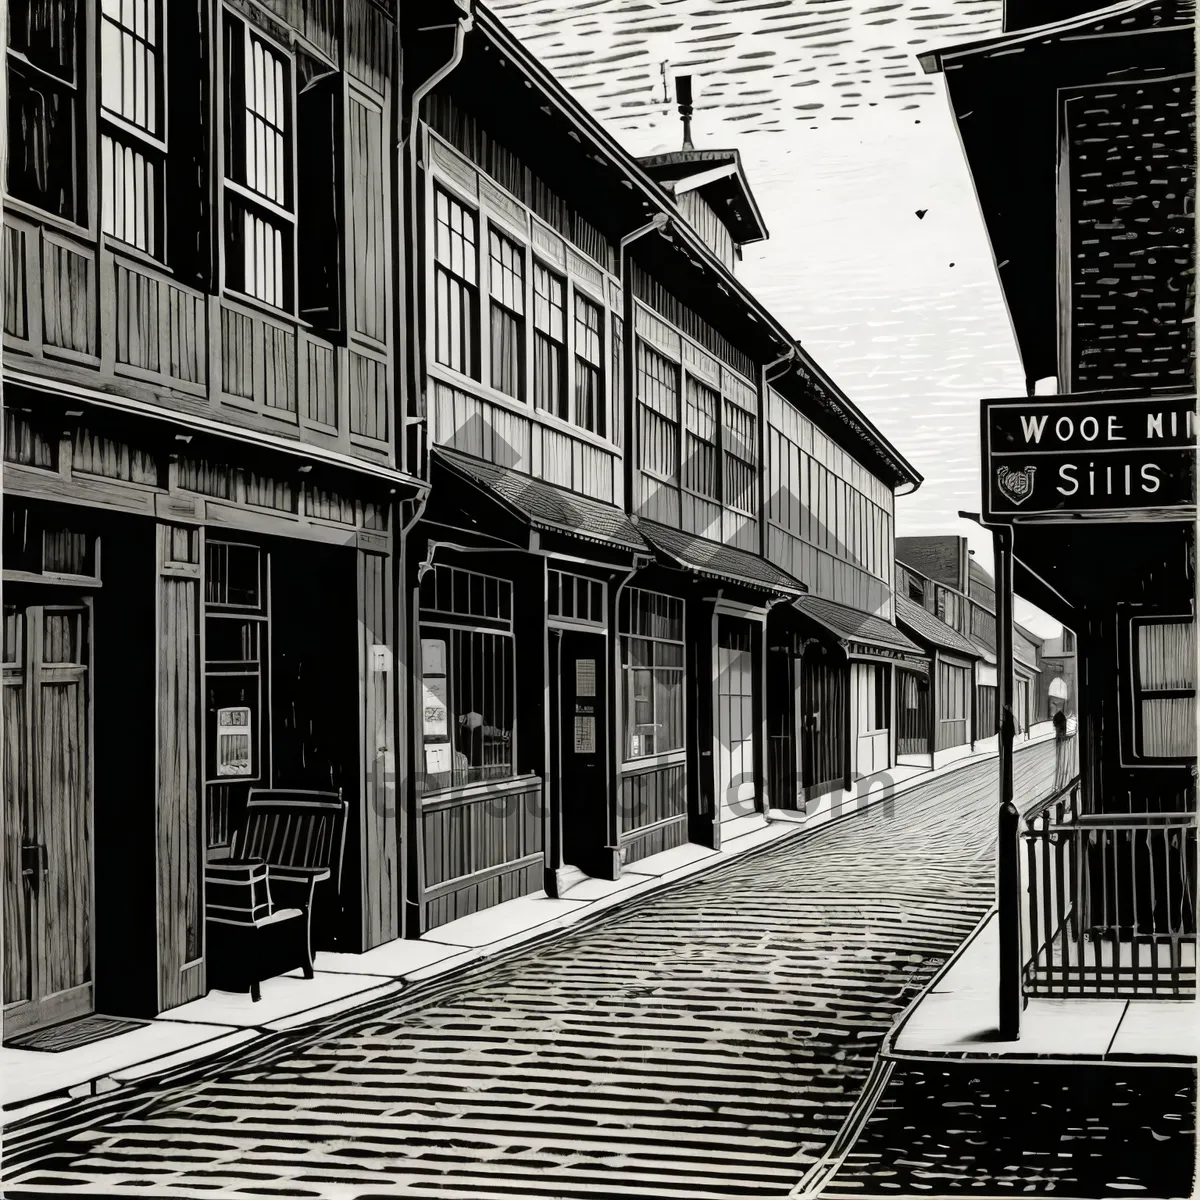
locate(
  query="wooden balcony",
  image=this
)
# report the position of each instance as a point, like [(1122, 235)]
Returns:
[(114, 321)]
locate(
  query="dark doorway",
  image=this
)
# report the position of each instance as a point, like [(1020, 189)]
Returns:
[(823, 719), (783, 744), (582, 743)]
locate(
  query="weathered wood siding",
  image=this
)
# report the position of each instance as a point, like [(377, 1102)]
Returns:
[(829, 520), (180, 825), (379, 817), (498, 434), (653, 808), (481, 849), (17, 895)]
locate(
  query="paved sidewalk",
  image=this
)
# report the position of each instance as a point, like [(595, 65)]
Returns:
[(957, 1017), (707, 1040)]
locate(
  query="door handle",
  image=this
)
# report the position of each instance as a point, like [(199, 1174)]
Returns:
[(33, 861)]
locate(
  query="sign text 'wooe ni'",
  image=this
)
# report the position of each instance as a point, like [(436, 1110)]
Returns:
[(1073, 456)]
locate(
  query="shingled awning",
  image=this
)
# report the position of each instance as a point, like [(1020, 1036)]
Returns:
[(717, 560), (925, 626), (544, 505), (861, 633)]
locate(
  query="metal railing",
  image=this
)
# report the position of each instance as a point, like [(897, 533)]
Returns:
[(1111, 901)]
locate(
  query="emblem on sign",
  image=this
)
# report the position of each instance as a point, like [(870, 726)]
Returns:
[(1015, 485)]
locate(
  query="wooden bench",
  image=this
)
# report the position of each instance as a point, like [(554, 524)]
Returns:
[(300, 836), (248, 938)]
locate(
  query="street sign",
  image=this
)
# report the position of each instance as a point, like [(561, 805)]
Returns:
[(1064, 457)]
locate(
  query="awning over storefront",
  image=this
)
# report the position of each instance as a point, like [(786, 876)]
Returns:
[(544, 506), (718, 561), (933, 632), (862, 634)]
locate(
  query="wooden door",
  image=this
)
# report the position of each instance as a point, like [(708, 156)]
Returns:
[(735, 732), (783, 725), (583, 746), (822, 697), (47, 814)]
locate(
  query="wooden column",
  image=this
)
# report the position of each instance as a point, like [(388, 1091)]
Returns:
[(1008, 861), (379, 875), (179, 816)]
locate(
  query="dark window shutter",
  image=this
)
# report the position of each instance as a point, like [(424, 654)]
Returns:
[(318, 203), (190, 213)]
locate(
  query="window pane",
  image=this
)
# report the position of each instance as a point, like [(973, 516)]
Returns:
[(1166, 655), (1169, 727)]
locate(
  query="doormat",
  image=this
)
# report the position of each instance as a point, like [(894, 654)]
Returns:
[(70, 1035)]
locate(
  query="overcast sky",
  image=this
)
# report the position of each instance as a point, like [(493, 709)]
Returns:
[(844, 140)]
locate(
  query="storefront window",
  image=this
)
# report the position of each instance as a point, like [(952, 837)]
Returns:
[(1165, 688), (953, 702), (467, 678), (652, 657)]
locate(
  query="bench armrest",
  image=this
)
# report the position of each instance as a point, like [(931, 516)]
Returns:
[(237, 891)]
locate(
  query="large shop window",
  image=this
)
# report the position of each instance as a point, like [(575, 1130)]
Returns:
[(235, 680), (1164, 676), (259, 206), (46, 109), (456, 282), (507, 283), (467, 678), (652, 662), (131, 158)]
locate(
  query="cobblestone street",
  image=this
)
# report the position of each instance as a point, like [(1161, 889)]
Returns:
[(1052, 1130), (706, 1041)]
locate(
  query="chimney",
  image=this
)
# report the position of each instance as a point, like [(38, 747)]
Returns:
[(683, 95)]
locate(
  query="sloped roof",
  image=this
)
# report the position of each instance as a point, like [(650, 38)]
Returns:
[(718, 560), (851, 624), (929, 629), (544, 505), (727, 192), (934, 557)]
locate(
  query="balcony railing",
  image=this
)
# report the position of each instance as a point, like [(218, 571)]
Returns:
[(1111, 901)]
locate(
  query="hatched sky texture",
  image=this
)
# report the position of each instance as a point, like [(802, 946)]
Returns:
[(844, 139)]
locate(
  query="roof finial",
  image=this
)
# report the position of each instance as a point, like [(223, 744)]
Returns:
[(683, 94)]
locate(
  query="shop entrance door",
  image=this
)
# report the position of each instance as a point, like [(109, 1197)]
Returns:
[(583, 739), (47, 814), (736, 741), (823, 715)]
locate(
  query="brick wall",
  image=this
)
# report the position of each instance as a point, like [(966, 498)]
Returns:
[(1131, 151)]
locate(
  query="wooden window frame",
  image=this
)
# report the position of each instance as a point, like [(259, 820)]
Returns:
[(149, 140), (82, 214), (443, 623), (1131, 706), (472, 292), (564, 409), (521, 256), (579, 363), (242, 198), (628, 701), (655, 414), (689, 435)]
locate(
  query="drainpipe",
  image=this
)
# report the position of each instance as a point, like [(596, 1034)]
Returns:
[(414, 244), (657, 222)]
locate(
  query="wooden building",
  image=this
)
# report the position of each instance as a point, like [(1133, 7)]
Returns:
[(1080, 137), (634, 474), (976, 621), (203, 470)]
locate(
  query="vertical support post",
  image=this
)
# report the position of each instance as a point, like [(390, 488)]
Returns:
[(1008, 860)]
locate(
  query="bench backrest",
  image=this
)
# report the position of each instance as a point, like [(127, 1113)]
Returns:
[(286, 827)]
